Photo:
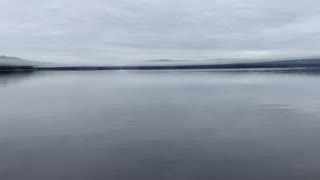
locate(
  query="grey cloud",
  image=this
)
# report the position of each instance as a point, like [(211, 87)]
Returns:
[(105, 31)]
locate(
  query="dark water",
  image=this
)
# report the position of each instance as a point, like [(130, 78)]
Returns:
[(168, 125)]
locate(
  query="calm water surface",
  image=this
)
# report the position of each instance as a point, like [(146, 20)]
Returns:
[(160, 125)]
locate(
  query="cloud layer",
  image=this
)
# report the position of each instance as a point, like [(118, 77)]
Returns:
[(121, 31)]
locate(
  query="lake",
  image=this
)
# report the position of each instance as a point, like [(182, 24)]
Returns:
[(160, 125)]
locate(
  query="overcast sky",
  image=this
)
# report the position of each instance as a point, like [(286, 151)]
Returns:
[(121, 31)]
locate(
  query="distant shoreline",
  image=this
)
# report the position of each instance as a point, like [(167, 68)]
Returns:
[(178, 67), (16, 68), (262, 65)]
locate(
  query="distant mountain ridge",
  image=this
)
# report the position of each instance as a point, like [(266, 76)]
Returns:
[(315, 61), (165, 60), (15, 61), (287, 61)]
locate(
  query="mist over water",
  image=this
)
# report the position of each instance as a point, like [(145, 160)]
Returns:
[(187, 124)]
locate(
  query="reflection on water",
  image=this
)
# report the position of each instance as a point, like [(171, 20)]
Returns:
[(293, 71), (13, 77), (161, 125)]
